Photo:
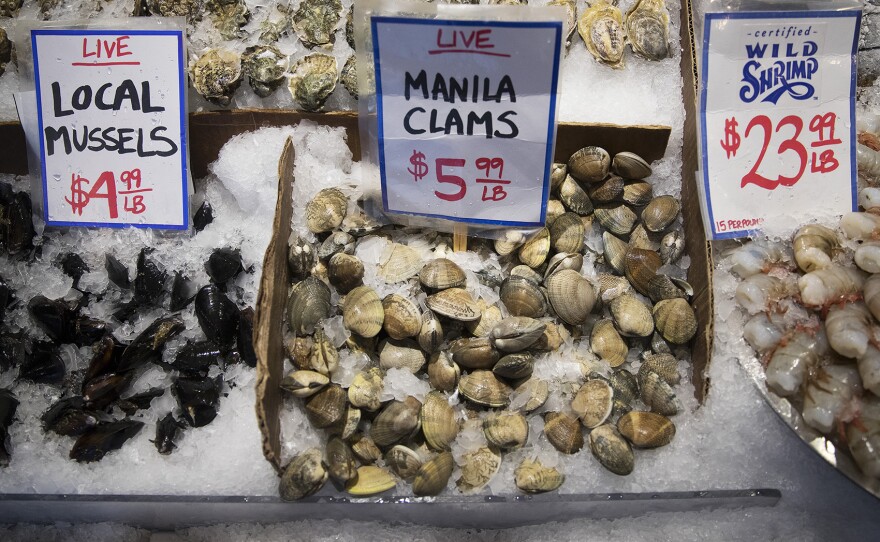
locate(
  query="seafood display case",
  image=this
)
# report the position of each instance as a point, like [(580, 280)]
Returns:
[(208, 132)]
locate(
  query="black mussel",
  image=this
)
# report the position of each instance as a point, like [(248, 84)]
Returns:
[(223, 265), (196, 358), (149, 281), (167, 430), (7, 194), (8, 406), (246, 337), (183, 291), (74, 267), (19, 224), (54, 316), (204, 216), (106, 437), (139, 401), (105, 357), (117, 272), (101, 391), (70, 417), (87, 330), (127, 310), (6, 296), (44, 365), (217, 315), (198, 398), (147, 347), (13, 349)]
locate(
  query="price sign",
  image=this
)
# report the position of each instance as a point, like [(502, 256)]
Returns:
[(777, 119), (111, 109), (467, 113)]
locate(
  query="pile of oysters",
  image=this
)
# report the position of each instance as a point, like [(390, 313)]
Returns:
[(597, 287)]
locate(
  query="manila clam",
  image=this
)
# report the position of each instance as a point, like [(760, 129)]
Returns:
[(303, 476), (612, 450), (438, 421), (533, 477), (564, 432), (477, 468), (433, 475), (572, 295), (646, 429)]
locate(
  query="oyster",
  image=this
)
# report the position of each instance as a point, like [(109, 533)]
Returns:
[(601, 27), (315, 22), (228, 16), (647, 29), (313, 79), (264, 66), (216, 75), (349, 76)]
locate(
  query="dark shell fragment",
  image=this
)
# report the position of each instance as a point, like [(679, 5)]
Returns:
[(167, 430), (6, 296), (198, 399), (117, 272), (44, 366), (74, 267), (69, 417), (183, 291), (139, 401), (105, 357), (223, 265), (106, 437), (19, 224), (196, 358), (13, 349), (149, 281), (87, 331), (204, 216), (147, 347), (217, 315), (54, 317), (100, 392), (8, 406), (246, 337)]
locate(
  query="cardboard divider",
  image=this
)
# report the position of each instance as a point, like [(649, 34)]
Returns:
[(699, 249), (648, 141), (209, 131)]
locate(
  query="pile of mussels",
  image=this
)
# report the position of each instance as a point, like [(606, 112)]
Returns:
[(623, 308), (94, 406)]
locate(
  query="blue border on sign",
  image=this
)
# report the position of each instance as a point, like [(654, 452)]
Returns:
[(557, 26), (709, 17), (183, 146)]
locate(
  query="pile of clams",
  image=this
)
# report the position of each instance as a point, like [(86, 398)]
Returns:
[(592, 288)]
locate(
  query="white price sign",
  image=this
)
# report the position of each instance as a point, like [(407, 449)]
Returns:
[(467, 113), (111, 115), (777, 118)]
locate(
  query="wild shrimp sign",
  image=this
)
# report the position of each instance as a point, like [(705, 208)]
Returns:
[(466, 117), (111, 112), (777, 119)]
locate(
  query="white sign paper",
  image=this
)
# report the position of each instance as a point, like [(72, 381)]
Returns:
[(777, 114), (467, 113), (112, 130)]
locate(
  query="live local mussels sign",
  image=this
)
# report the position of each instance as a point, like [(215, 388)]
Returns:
[(777, 119), (467, 114), (112, 128)]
